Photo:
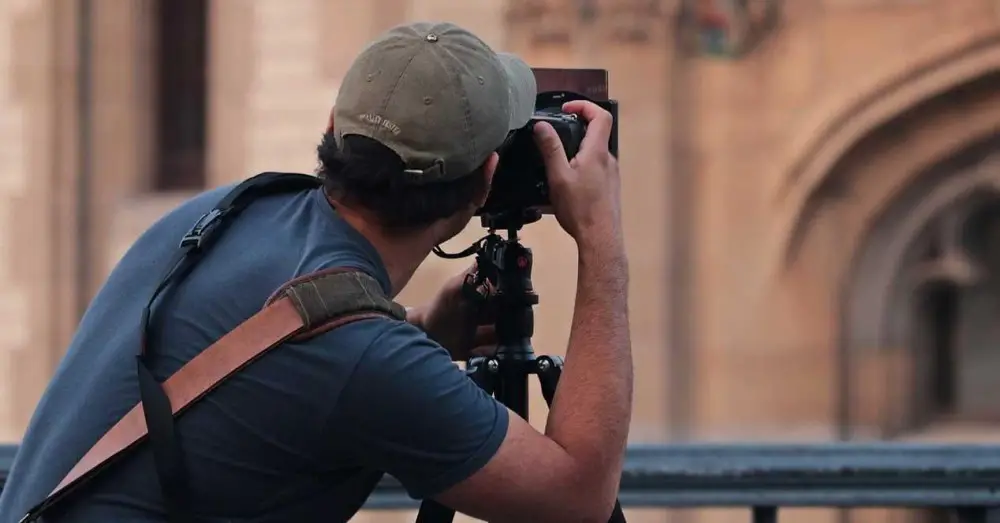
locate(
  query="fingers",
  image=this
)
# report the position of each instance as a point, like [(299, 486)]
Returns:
[(551, 148), (454, 286), (599, 124), (458, 280), (486, 335)]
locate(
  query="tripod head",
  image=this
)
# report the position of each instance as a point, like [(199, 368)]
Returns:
[(504, 269), (503, 276)]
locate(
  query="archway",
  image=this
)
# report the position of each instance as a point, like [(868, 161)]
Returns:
[(810, 160), (879, 201), (861, 221), (934, 290), (921, 283)]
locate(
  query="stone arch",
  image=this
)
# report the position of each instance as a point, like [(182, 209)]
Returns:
[(810, 160), (877, 298), (876, 280), (877, 198)]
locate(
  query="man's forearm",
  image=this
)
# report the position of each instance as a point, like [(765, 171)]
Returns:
[(592, 408)]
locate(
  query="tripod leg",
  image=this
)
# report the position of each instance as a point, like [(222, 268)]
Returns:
[(549, 369), (478, 369), (434, 512)]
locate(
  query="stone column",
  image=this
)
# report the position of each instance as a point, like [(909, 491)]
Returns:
[(289, 96), (30, 242), (232, 63)]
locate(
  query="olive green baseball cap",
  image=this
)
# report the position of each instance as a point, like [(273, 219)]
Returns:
[(437, 96)]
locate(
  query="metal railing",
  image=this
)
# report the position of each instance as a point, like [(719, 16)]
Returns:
[(767, 477)]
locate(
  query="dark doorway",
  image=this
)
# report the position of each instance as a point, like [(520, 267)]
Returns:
[(181, 94), (940, 311)]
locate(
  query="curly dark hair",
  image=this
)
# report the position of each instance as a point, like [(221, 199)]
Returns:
[(366, 173)]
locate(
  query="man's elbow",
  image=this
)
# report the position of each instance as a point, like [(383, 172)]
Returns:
[(579, 501), (593, 500), (589, 512), (604, 507), (578, 510)]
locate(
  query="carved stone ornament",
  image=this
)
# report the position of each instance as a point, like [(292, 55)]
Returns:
[(555, 21), (950, 261), (633, 20), (544, 21), (725, 28)]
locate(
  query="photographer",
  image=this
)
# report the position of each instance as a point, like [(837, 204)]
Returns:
[(305, 432)]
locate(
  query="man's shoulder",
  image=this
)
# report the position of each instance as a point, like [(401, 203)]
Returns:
[(382, 348), (371, 356)]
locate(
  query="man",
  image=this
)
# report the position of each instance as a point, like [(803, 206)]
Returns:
[(304, 433)]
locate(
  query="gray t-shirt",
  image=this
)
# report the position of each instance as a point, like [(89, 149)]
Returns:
[(303, 434)]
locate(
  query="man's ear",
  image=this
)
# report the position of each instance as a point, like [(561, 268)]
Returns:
[(329, 124)]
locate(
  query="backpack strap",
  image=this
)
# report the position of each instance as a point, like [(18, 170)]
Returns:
[(300, 309)]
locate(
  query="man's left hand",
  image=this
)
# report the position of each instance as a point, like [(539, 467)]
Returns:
[(460, 324)]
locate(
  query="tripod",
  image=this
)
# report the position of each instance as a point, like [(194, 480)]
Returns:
[(506, 265)]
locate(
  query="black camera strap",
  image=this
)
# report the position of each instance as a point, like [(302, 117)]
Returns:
[(167, 453), (156, 406)]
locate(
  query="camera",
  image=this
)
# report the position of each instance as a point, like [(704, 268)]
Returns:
[(520, 183)]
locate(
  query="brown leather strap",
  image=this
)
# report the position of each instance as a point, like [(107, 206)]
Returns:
[(302, 308), (267, 329), (263, 331)]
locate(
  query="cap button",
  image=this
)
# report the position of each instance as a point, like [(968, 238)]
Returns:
[(432, 37)]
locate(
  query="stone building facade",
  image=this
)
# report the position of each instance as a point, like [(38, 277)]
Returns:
[(812, 187)]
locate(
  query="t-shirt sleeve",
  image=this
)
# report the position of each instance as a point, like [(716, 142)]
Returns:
[(408, 410)]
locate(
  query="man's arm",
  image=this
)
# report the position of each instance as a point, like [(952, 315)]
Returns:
[(412, 413), (571, 473), (409, 411)]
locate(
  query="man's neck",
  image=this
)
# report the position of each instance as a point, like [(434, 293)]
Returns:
[(401, 255)]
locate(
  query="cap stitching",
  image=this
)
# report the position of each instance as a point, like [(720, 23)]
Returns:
[(399, 78), (467, 112)]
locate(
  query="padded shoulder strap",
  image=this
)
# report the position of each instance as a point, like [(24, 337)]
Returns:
[(323, 298)]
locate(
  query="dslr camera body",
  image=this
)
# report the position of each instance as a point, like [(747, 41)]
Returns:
[(520, 189)]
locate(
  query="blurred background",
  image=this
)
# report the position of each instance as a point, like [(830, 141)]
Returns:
[(812, 190)]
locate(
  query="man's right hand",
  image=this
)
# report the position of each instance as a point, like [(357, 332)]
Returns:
[(572, 472), (585, 191)]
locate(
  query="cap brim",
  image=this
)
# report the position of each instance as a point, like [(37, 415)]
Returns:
[(522, 87)]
